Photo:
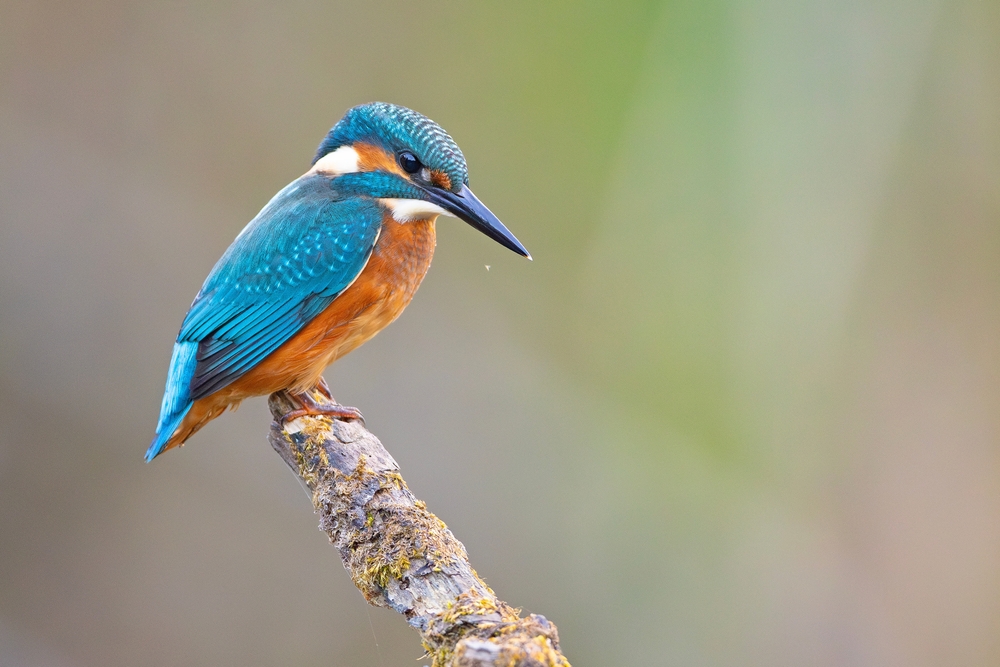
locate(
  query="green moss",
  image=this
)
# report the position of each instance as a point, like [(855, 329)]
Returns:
[(378, 574)]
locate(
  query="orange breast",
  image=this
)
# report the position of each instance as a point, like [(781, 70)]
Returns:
[(398, 264)]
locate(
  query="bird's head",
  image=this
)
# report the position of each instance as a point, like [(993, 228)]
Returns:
[(407, 162)]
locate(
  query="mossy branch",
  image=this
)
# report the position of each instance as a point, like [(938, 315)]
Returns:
[(401, 556)]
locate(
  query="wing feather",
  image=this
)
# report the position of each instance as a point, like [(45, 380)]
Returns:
[(300, 252)]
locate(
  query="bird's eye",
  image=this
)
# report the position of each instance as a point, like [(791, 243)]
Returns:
[(409, 162)]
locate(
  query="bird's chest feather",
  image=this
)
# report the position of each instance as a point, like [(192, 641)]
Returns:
[(398, 263), (388, 282)]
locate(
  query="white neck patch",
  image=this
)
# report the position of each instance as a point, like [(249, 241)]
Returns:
[(408, 210), (344, 160)]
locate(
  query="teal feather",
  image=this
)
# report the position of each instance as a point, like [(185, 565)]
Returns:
[(304, 248)]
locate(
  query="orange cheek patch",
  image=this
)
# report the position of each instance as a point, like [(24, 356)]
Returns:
[(440, 179), (373, 158)]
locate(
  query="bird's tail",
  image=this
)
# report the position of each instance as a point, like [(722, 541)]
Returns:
[(176, 397)]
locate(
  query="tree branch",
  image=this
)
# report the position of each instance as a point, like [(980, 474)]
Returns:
[(401, 556)]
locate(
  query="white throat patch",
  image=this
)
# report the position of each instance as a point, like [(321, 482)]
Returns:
[(344, 160), (408, 210)]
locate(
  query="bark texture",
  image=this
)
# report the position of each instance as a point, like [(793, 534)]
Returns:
[(399, 554)]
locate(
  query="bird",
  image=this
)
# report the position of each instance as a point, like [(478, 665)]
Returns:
[(331, 259)]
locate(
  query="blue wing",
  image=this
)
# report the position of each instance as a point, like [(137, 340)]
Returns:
[(300, 252)]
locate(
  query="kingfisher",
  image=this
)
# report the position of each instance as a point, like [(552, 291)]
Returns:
[(330, 261)]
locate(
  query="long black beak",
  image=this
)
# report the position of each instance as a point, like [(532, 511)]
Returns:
[(466, 206)]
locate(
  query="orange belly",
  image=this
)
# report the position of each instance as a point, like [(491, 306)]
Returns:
[(398, 264)]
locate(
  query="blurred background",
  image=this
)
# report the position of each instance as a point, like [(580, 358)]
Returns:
[(741, 409)]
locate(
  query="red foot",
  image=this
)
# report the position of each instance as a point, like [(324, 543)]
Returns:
[(311, 407)]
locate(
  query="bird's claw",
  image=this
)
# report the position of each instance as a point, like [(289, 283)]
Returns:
[(311, 408), (341, 412)]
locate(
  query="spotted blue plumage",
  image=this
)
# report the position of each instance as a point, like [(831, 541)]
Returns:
[(304, 248)]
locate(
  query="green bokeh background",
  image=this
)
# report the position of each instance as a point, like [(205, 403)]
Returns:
[(741, 409)]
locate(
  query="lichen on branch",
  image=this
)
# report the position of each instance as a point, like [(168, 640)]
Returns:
[(399, 554)]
